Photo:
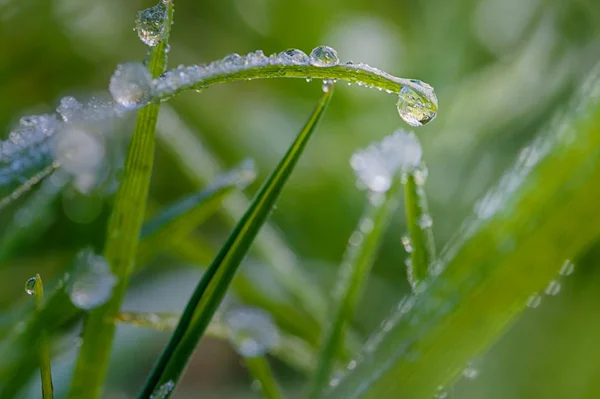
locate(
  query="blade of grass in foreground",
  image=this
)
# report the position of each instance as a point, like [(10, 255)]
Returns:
[(122, 235), (420, 242), (352, 277), (542, 212), (34, 286), (213, 285)]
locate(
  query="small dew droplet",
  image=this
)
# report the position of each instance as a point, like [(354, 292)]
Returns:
[(324, 56), (30, 286), (407, 244), (150, 24), (470, 372), (553, 288), (327, 85), (425, 221), (130, 85), (163, 391), (567, 268), (534, 300), (415, 108)]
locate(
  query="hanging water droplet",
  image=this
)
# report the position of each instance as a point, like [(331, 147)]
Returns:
[(327, 85), (92, 282), (163, 391), (567, 268), (534, 300), (407, 244), (150, 24), (130, 85), (294, 56), (30, 286), (324, 56), (308, 80), (252, 331), (553, 288), (417, 109)]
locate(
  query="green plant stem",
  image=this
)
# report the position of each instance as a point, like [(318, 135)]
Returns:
[(261, 371), (352, 278), (421, 234), (44, 345), (213, 285), (122, 237)]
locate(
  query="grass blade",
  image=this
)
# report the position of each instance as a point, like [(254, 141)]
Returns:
[(43, 344), (420, 240), (353, 275), (261, 371), (512, 248), (289, 349), (177, 220), (122, 236), (216, 280)]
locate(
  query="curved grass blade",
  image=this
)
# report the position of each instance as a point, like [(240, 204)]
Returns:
[(216, 280), (122, 235), (261, 371), (29, 184), (177, 220), (420, 240), (289, 349), (43, 344), (542, 212), (352, 278)]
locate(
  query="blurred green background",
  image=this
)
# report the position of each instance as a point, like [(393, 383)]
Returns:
[(501, 69)]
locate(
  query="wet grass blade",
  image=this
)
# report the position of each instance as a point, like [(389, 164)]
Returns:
[(420, 239), (122, 236), (261, 372), (353, 275), (43, 344), (290, 349), (512, 248), (215, 282), (177, 220)]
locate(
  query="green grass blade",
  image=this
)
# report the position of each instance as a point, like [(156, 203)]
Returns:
[(177, 220), (420, 239), (261, 371), (353, 275), (122, 236), (290, 349), (216, 280), (44, 345), (512, 248)]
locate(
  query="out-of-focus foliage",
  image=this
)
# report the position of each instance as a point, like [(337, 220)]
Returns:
[(501, 69)]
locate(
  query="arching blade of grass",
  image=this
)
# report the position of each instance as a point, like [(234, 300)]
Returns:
[(175, 222), (289, 349), (352, 278), (122, 236), (43, 344), (419, 227), (261, 371), (215, 282), (542, 212)]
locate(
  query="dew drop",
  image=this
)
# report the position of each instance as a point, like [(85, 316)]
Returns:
[(553, 288), (130, 85), (308, 80), (163, 391), (150, 24), (415, 108), (252, 331), (30, 286), (352, 365), (567, 268), (69, 108), (366, 225), (534, 300), (233, 60), (425, 221), (324, 56), (294, 56), (92, 282), (327, 85), (470, 372), (407, 244)]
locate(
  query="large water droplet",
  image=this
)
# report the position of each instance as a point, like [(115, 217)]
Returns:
[(294, 56), (130, 85), (150, 24), (417, 108), (30, 286), (324, 56), (92, 282), (252, 331)]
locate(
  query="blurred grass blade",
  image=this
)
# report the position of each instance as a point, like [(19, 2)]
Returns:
[(122, 235), (44, 345), (289, 349), (261, 371), (353, 275), (420, 239), (513, 247), (29, 184), (201, 167), (213, 285), (176, 221)]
